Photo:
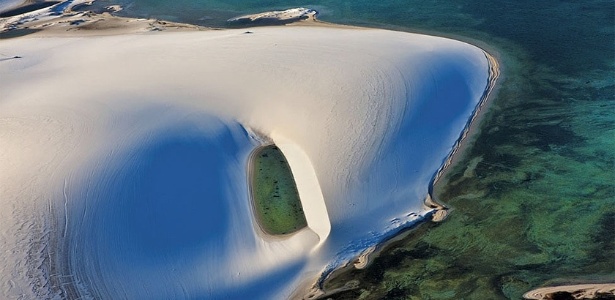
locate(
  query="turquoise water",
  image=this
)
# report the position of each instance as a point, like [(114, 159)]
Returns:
[(534, 196)]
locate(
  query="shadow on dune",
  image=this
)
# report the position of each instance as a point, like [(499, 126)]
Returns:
[(176, 200), (263, 287), (160, 213), (27, 8)]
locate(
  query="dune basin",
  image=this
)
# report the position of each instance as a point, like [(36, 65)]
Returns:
[(125, 157)]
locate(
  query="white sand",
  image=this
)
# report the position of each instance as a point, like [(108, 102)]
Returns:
[(313, 203), (88, 128), (579, 291), (283, 15)]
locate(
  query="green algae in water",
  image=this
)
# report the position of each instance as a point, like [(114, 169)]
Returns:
[(276, 201)]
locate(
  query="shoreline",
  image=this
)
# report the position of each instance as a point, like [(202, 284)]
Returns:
[(440, 210), (472, 128), (362, 261)]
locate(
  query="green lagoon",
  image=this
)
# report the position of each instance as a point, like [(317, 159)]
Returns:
[(275, 198)]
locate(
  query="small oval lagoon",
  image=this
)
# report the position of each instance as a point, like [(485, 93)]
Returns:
[(276, 202)]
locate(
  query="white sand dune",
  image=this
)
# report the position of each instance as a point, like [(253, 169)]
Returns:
[(124, 158)]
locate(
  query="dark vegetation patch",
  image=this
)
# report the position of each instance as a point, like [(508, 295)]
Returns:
[(561, 296), (553, 135), (346, 295), (604, 237), (396, 293)]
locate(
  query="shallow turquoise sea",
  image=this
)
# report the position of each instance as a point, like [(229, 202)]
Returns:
[(533, 197)]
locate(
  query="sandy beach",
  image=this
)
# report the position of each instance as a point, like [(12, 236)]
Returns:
[(135, 124), (576, 291)]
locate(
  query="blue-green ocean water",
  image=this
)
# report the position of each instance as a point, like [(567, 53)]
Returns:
[(534, 195)]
